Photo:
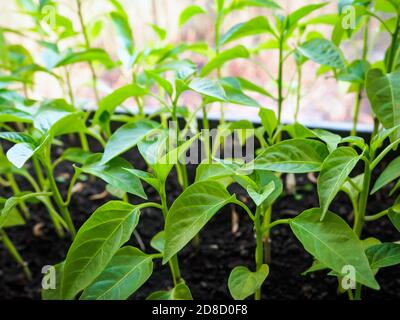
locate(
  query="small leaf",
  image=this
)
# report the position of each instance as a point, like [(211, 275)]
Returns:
[(225, 56), (268, 120), (127, 271), (126, 137), (255, 26), (242, 282), (391, 173), (114, 173), (189, 13), (335, 170), (20, 153), (260, 196), (89, 55), (208, 88), (158, 242), (180, 292), (383, 255), (333, 243), (97, 241), (383, 92), (323, 52), (190, 213)]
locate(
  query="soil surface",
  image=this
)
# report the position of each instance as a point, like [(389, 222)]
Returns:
[(205, 269)]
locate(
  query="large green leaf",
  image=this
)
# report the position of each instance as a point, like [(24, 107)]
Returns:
[(335, 170), (333, 243), (114, 173), (126, 137), (127, 271), (383, 91), (323, 52), (383, 255), (391, 173), (243, 283), (97, 241), (189, 13), (223, 57), (11, 114), (190, 213), (255, 26), (293, 156)]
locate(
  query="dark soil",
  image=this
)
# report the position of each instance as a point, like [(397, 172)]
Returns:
[(206, 269)]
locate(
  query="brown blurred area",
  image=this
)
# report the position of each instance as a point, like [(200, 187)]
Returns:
[(324, 99)]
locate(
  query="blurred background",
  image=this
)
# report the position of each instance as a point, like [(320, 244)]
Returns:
[(325, 103)]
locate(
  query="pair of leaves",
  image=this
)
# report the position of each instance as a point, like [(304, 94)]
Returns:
[(242, 282), (95, 245)]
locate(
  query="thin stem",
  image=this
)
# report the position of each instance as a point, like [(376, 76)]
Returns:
[(246, 208), (87, 44), (16, 190), (266, 235), (377, 216), (57, 195), (379, 158), (280, 81), (173, 262), (259, 255), (276, 223), (362, 207), (298, 94), (393, 47), (14, 252)]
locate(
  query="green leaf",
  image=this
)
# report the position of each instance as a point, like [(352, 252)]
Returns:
[(124, 32), (54, 294), (180, 292), (127, 271), (17, 137), (158, 242), (268, 120), (114, 173), (11, 114), (323, 52), (225, 56), (333, 243), (189, 13), (234, 93), (165, 84), (20, 153), (109, 103), (207, 87), (383, 91), (356, 72), (391, 173), (255, 26), (394, 214), (97, 241), (302, 12), (383, 255), (292, 156), (259, 196), (335, 170), (9, 215), (240, 4), (89, 55), (242, 282), (126, 137), (190, 213)]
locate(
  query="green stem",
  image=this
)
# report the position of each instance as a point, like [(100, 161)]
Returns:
[(379, 158), (298, 94), (393, 48), (259, 255), (62, 207), (280, 81), (14, 252), (377, 216), (362, 207), (16, 190), (87, 44), (266, 235), (173, 262)]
